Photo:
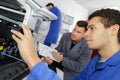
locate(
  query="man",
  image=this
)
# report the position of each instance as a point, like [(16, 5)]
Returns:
[(103, 35), (74, 51), (53, 33)]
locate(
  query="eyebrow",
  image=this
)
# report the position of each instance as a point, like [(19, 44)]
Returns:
[(90, 26)]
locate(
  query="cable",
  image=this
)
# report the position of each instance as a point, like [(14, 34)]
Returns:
[(12, 56)]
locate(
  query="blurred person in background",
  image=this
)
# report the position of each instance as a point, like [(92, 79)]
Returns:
[(53, 32)]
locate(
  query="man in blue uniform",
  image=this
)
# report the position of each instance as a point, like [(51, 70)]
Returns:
[(103, 35), (53, 33)]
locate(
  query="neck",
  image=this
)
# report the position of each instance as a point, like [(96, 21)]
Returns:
[(74, 42), (108, 52)]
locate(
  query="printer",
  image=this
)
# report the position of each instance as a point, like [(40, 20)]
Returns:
[(13, 13)]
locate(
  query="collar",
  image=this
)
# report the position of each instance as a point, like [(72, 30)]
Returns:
[(112, 61)]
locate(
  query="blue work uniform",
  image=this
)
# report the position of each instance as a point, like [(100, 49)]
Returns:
[(41, 72), (109, 70), (53, 33)]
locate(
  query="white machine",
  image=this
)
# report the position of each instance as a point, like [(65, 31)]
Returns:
[(12, 13), (34, 16), (34, 11)]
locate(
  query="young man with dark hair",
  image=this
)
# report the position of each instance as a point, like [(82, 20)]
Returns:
[(74, 51), (103, 35)]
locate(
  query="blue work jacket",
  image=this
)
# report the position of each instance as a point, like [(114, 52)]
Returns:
[(53, 33), (109, 70)]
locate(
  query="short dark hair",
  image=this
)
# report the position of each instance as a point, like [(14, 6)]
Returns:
[(50, 4), (108, 17), (82, 24)]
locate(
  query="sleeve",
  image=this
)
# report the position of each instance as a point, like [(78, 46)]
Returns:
[(78, 64), (41, 72), (56, 11)]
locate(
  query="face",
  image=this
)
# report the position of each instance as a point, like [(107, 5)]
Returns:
[(49, 7), (97, 36), (77, 33)]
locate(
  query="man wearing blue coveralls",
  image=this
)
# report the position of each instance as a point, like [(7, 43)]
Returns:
[(53, 33)]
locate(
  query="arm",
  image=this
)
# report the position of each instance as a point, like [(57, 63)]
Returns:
[(27, 52), (26, 46), (41, 72)]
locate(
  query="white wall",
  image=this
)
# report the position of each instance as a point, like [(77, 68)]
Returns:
[(69, 7)]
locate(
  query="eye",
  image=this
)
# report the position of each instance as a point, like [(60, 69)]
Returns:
[(78, 32), (92, 28)]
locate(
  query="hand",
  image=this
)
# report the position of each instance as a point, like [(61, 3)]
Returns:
[(48, 60), (57, 56), (26, 45)]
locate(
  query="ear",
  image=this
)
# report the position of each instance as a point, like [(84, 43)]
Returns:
[(115, 29)]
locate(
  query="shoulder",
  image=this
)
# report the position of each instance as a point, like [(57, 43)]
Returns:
[(54, 9), (66, 34)]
